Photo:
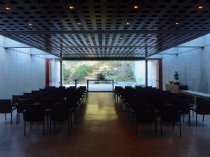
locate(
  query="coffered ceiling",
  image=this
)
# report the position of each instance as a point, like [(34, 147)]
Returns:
[(104, 29)]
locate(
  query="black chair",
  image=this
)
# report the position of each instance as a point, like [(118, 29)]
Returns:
[(22, 105), (170, 114), (202, 107), (185, 105), (145, 113), (34, 113), (60, 112), (6, 107), (15, 99)]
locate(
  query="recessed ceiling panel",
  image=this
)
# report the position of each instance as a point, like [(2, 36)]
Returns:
[(104, 29)]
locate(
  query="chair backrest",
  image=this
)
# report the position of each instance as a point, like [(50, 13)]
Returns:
[(23, 104), (59, 112), (34, 113), (147, 114), (203, 106), (5, 106), (144, 111), (15, 99), (170, 113)]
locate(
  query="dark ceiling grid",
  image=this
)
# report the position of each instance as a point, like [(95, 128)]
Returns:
[(192, 19), (69, 40), (82, 38), (110, 50), (111, 22), (119, 23), (100, 15), (92, 24), (96, 42), (162, 16), (103, 43), (89, 42), (114, 16)]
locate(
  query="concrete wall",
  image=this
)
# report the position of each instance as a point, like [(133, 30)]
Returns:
[(22, 68), (193, 67), (152, 73), (20, 72), (139, 73), (55, 73)]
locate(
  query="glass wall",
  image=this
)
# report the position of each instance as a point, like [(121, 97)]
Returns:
[(124, 73)]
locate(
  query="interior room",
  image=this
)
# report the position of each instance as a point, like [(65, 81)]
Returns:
[(104, 78)]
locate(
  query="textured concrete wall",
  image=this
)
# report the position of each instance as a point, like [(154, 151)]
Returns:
[(205, 72), (169, 65), (193, 67), (152, 73), (139, 72), (55, 73), (20, 72)]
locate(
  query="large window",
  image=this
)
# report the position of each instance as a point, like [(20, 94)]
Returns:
[(122, 72)]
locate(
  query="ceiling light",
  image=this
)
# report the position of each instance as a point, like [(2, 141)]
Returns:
[(8, 8), (177, 23), (201, 7), (127, 23), (79, 23), (30, 24), (135, 7), (71, 7)]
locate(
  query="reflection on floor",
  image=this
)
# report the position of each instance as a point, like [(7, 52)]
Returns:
[(103, 132)]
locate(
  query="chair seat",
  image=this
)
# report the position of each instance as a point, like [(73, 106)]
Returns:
[(6, 107), (34, 113)]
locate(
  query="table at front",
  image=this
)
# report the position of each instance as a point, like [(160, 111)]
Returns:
[(196, 94), (112, 81)]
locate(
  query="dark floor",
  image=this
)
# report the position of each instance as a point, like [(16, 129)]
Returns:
[(104, 132)]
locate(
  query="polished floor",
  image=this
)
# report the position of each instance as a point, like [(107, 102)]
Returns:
[(103, 131)]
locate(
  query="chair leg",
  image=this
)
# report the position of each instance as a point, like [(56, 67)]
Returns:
[(173, 124), (161, 129), (18, 118), (71, 120), (11, 117), (68, 126), (203, 117), (43, 127), (150, 125), (54, 124), (196, 119), (5, 116), (183, 117), (135, 124), (31, 123), (180, 127), (189, 120), (24, 128), (155, 126), (50, 126), (192, 113)]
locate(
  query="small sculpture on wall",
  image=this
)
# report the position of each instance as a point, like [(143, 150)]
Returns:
[(176, 77)]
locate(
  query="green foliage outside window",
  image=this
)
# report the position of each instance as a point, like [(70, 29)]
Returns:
[(81, 72), (120, 71)]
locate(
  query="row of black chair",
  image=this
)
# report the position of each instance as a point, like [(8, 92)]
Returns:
[(47, 105), (147, 104), (63, 106)]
